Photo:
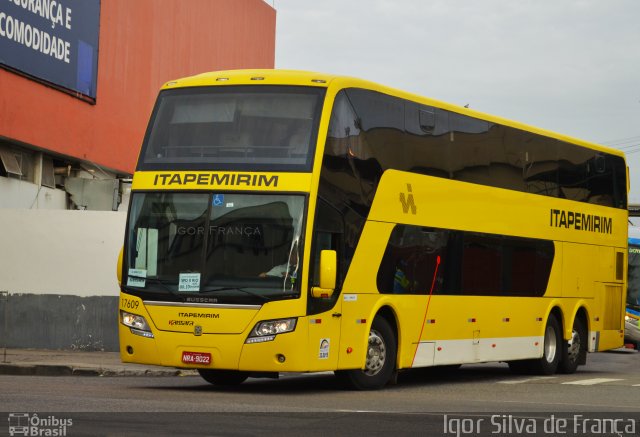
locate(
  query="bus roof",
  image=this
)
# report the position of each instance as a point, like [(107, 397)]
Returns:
[(308, 78)]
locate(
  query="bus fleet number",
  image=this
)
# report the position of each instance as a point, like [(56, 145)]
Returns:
[(129, 303)]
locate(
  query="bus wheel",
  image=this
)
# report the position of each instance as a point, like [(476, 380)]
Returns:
[(552, 351), (381, 359), (575, 350), (223, 377), (548, 364)]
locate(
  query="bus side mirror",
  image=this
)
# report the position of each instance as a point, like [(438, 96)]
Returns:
[(119, 266), (328, 268)]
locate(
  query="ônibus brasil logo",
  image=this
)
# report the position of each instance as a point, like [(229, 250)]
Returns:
[(31, 424)]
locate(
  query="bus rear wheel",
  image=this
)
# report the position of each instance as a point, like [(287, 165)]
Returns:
[(548, 364), (575, 350), (380, 361), (223, 377), (552, 351)]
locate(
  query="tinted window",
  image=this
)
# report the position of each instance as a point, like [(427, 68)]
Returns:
[(369, 135), (348, 179), (418, 260), (328, 234), (250, 127), (590, 176), (539, 161), (411, 261), (231, 246)]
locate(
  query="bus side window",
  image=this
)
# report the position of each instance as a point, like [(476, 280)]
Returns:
[(327, 235), (411, 262)]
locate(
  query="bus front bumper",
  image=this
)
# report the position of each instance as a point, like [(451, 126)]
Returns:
[(216, 351)]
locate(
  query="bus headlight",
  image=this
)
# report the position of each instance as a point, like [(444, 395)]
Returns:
[(136, 323), (267, 330)]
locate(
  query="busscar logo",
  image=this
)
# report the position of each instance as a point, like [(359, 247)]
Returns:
[(190, 299), (407, 201)]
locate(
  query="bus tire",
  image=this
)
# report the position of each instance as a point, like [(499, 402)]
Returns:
[(380, 362), (552, 349), (575, 350), (223, 377)]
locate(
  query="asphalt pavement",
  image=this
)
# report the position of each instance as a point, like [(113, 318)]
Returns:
[(46, 362)]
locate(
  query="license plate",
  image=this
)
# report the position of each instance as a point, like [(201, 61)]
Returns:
[(196, 357)]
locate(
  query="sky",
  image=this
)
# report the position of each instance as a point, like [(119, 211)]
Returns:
[(570, 66)]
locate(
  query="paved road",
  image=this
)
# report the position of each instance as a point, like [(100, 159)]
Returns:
[(610, 383)]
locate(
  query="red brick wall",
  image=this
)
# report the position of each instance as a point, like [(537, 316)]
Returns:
[(143, 43)]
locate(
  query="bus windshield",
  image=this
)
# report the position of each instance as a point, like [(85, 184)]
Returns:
[(230, 127), (633, 290), (220, 245)]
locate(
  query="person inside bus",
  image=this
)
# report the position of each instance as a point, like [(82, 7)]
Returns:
[(401, 281), (289, 268)]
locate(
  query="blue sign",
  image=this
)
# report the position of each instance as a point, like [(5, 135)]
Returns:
[(218, 199), (53, 40)]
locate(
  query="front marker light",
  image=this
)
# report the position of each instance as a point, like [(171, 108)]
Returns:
[(267, 330), (136, 323)]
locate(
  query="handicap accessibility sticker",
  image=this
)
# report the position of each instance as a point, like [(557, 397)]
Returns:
[(218, 199)]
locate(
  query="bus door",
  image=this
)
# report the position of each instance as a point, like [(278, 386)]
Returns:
[(325, 313)]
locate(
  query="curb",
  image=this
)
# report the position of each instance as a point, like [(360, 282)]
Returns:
[(35, 369), (65, 370)]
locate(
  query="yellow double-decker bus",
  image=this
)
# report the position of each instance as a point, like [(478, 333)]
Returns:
[(285, 221)]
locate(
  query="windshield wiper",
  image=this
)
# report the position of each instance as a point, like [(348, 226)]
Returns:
[(252, 293)]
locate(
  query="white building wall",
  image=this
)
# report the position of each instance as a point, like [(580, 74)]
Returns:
[(15, 193), (63, 252)]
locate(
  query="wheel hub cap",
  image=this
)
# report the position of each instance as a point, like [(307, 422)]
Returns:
[(550, 346), (573, 346), (376, 354)]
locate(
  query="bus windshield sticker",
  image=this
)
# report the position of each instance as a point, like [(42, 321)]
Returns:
[(136, 278), (324, 349), (189, 282), (218, 199)]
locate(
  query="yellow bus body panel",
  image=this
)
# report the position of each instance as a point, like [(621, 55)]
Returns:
[(224, 337), (446, 204)]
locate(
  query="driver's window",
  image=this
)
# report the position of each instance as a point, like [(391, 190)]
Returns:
[(327, 235)]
